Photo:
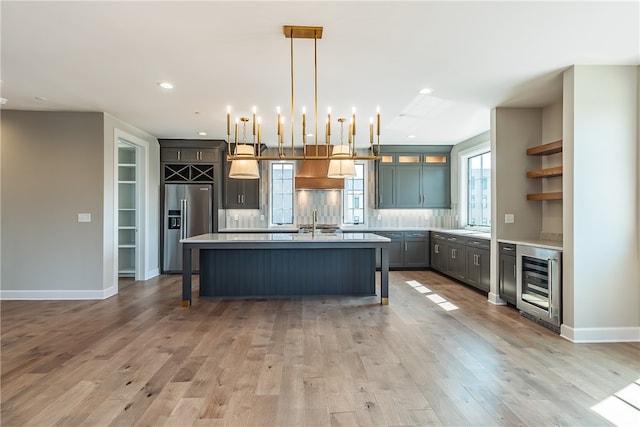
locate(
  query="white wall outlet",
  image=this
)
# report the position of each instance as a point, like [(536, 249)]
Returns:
[(509, 218), (84, 217), (261, 217), (379, 217), (236, 217)]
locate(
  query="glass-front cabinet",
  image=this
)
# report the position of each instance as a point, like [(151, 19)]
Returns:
[(414, 177)]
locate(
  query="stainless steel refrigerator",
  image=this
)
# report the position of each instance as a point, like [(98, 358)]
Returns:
[(188, 211)]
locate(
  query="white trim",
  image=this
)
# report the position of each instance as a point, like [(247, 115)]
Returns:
[(270, 193), (600, 335), (495, 299), (57, 294), (142, 209), (463, 160)]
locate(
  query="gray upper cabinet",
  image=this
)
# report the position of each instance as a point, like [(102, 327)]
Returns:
[(436, 186), (386, 186), (240, 193), (408, 186), (189, 155), (414, 177)]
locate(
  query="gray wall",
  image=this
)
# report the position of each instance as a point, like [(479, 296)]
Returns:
[(52, 169), (513, 131), (54, 165)]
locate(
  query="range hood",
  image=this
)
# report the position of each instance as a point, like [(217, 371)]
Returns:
[(312, 173)]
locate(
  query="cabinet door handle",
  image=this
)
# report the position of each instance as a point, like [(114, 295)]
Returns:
[(514, 270), (453, 253), (405, 246), (437, 248), (178, 154)]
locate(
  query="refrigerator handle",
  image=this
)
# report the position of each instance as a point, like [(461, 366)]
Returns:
[(183, 218)]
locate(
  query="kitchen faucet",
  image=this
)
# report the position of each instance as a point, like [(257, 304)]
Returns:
[(315, 221)]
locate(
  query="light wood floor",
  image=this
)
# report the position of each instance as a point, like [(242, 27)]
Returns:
[(139, 358)]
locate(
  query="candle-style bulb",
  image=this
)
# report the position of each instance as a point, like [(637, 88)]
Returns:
[(253, 122), (353, 121), (371, 130), (236, 134)]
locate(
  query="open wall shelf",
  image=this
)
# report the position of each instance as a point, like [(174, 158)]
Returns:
[(545, 173), (545, 150), (545, 196)]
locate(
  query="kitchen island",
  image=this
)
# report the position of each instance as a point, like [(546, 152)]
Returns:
[(286, 264)]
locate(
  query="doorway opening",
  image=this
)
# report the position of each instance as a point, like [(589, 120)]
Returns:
[(130, 224)]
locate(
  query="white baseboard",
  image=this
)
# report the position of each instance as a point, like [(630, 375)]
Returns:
[(495, 299), (151, 274), (8, 294), (600, 335)]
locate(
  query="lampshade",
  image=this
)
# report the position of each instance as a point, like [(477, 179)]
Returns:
[(244, 164), (341, 164)]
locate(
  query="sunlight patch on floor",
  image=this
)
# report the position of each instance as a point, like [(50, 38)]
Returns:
[(442, 302), (623, 408)]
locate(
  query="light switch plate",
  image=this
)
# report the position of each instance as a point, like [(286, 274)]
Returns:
[(509, 218), (84, 217)]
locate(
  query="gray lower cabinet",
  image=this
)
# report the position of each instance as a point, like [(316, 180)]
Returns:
[(456, 257), (464, 258), (416, 249), (507, 272), (478, 264), (396, 248), (240, 193), (408, 249)]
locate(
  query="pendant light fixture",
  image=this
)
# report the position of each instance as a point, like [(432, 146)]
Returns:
[(342, 164), (245, 157), (244, 164)]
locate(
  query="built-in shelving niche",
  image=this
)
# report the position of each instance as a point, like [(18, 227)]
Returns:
[(545, 150), (127, 227)]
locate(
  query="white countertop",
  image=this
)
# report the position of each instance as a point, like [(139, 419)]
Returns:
[(547, 244), (284, 237)]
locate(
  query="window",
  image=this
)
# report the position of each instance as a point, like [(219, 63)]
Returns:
[(282, 193), (354, 203), (479, 188)]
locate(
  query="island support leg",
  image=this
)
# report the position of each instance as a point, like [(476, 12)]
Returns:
[(384, 276), (186, 276)]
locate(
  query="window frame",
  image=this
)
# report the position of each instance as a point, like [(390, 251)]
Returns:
[(463, 184), (272, 223), (364, 201)]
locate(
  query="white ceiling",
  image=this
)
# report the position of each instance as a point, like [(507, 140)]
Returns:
[(109, 56)]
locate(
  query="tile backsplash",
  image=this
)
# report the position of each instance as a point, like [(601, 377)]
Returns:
[(329, 206)]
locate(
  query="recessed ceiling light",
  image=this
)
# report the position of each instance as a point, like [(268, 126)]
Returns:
[(41, 98), (411, 136), (425, 91), (165, 85), (3, 101), (202, 133)]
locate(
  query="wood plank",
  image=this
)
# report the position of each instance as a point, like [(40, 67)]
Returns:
[(546, 149), (296, 361), (545, 173), (545, 196)]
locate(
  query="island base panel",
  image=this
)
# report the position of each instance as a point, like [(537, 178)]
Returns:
[(287, 272)]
